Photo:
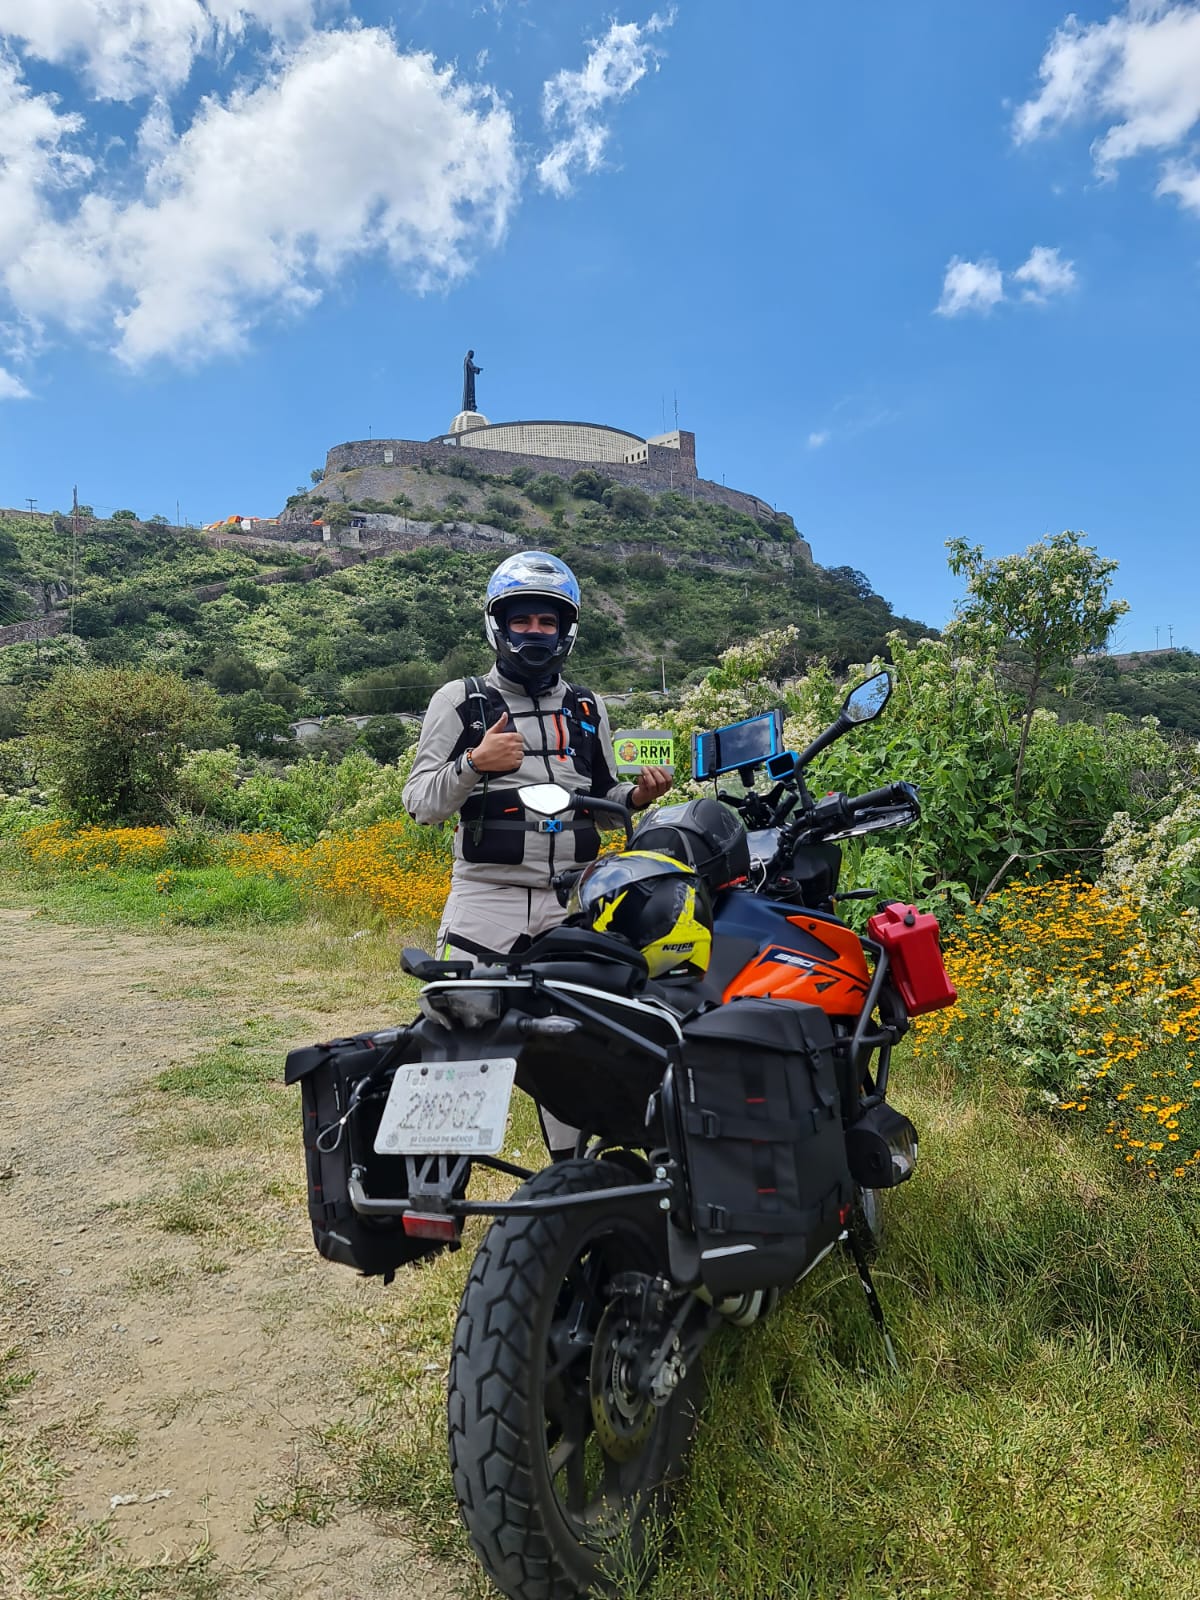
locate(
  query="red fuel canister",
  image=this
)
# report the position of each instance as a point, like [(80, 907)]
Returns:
[(911, 940)]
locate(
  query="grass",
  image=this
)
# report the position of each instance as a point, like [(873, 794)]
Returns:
[(1041, 1439), (46, 1555), (222, 1133), (205, 897)]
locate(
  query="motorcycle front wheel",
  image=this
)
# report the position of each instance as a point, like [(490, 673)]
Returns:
[(561, 1471)]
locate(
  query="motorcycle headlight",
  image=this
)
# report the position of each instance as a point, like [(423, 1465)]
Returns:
[(468, 1007)]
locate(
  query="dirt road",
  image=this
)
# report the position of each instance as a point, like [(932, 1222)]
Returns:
[(193, 1383)]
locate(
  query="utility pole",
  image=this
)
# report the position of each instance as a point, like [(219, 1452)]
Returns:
[(1156, 635), (31, 503), (74, 553), (1170, 636)]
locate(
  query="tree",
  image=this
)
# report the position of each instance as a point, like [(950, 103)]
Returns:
[(852, 579), (316, 474), (259, 727), (232, 673), (404, 687), (631, 505), (124, 516), (1051, 603), (588, 484), (386, 738), (547, 489), (280, 691), (248, 592), (334, 739), (111, 740)]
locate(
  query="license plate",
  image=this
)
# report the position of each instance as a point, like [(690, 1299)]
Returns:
[(447, 1108)]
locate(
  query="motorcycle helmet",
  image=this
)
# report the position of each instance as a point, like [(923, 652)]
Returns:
[(659, 905), (702, 832), (534, 576)]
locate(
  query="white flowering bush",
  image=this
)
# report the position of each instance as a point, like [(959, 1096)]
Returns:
[(1157, 863)]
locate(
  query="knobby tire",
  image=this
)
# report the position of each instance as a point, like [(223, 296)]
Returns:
[(523, 1443)]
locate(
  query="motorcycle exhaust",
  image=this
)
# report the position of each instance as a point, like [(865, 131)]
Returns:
[(881, 1148)]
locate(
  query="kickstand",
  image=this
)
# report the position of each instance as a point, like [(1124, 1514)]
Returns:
[(868, 1288)]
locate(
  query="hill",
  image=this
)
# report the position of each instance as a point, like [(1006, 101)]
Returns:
[(1151, 683), (371, 612)]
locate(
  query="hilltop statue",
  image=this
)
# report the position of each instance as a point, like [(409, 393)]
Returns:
[(469, 371)]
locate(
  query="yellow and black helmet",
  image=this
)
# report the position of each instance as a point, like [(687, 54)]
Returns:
[(658, 904)]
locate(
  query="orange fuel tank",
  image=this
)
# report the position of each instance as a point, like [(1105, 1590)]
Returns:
[(815, 959)]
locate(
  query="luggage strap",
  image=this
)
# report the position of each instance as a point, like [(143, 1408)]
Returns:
[(716, 1219), (715, 1125), (544, 824)]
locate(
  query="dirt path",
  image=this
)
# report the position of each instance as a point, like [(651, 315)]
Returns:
[(153, 1373)]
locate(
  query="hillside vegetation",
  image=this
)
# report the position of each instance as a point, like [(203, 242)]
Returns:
[(668, 585), (1040, 1435)]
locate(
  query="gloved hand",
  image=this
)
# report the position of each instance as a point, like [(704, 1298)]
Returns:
[(498, 750), (651, 786)]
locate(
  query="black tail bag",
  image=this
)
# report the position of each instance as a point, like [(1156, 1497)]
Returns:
[(757, 1118), (344, 1086)]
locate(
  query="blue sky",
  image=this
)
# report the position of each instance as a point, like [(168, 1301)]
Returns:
[(909, 272)]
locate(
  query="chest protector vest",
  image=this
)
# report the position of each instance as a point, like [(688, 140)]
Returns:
[(494, 822)]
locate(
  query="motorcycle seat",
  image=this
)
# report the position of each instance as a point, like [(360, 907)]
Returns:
[(686, 995), (580, 955)]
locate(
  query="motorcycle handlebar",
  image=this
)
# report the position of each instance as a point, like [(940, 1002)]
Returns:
[(891, 794), (840, 811)]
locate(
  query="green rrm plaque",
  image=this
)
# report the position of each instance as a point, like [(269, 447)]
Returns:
[(635, 748)]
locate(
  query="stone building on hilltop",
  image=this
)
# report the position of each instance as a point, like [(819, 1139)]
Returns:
[(665, 462)]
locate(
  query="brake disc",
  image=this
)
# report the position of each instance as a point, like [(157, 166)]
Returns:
[(623, 1418)]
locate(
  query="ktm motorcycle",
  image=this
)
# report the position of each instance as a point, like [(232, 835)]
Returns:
[(734, 1128)]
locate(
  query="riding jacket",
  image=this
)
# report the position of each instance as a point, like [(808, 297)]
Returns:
[(567, 740)]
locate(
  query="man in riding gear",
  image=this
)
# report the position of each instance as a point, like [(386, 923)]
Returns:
[(484, 739)]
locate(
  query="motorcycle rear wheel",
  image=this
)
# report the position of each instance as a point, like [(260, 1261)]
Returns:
[(560, 1477)]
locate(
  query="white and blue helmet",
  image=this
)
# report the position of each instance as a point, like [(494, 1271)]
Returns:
[(532, 575)]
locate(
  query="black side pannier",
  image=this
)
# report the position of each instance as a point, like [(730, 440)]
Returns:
[(344, 1086), (757, 1119)]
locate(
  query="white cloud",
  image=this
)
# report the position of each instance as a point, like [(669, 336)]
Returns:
[(970, 286), (979, 285), (130, 47), (349, 148), (1043, 274), (11, 388), (1139, 73), (615, 66), (816, 440), (1181, 179)]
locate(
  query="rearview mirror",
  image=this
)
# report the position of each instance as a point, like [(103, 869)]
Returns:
[(546, 799), (866, 702)]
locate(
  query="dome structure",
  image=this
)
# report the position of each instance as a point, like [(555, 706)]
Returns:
[(466, 420)]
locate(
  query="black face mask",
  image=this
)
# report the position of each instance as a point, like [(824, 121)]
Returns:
[(530, 659), (534, 676), (534, 651)]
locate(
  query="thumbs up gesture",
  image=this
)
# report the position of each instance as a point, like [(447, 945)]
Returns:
[(500, 749)]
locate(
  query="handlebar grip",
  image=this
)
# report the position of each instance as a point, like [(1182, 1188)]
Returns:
[(891, 794)]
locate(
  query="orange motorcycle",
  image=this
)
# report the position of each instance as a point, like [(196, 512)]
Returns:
[(722, 1040)]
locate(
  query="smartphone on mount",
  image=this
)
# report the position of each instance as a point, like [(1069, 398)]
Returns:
[(740, 744)]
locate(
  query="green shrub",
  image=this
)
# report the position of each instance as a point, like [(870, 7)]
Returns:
[(111, 740)]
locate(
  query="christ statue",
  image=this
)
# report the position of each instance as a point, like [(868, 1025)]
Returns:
[(469, 371)]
